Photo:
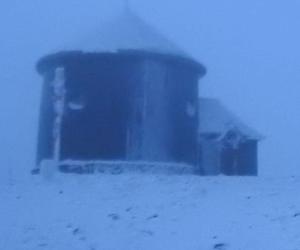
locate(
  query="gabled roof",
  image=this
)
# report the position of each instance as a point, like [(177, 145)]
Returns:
[(127, 32), (214, 118)]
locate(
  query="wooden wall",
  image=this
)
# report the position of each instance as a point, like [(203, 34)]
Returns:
[(134, 107)]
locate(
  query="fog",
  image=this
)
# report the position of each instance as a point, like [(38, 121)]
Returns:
[(250, 48)]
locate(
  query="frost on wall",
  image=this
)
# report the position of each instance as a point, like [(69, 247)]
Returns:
[(155, 127), (59, 103)]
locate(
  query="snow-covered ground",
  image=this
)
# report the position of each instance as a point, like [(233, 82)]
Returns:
[(149, 212)]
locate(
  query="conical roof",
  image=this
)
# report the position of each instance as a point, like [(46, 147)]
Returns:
[(127, 32)]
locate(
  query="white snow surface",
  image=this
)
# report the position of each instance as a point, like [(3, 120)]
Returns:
[(149, 212)]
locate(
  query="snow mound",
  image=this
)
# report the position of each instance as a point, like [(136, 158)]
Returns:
[(120, 167)]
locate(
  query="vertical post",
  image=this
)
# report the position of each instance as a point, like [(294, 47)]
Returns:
[(59, 103)]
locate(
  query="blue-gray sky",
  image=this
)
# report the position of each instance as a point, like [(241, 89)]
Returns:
[(251, 50)]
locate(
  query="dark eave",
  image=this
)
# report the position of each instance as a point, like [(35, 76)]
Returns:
[(62, 59)]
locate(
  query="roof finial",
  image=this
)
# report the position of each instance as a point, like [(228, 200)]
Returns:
[(127, 5)]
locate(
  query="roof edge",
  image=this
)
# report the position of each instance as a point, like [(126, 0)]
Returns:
[(62, 58)]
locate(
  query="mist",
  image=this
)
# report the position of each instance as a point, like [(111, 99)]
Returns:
[(250, 48)]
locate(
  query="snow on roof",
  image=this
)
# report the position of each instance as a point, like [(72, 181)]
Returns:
[(127, 32), (214, 118)]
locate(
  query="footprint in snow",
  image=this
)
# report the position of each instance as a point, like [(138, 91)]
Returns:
[(147, 232), (129, 209), (296, 214), (154, 216), (77, 232), (42, 245), (220, 246), (114, 216)]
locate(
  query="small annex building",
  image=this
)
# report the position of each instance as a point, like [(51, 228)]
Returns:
[(127, 93), (226, 145)]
